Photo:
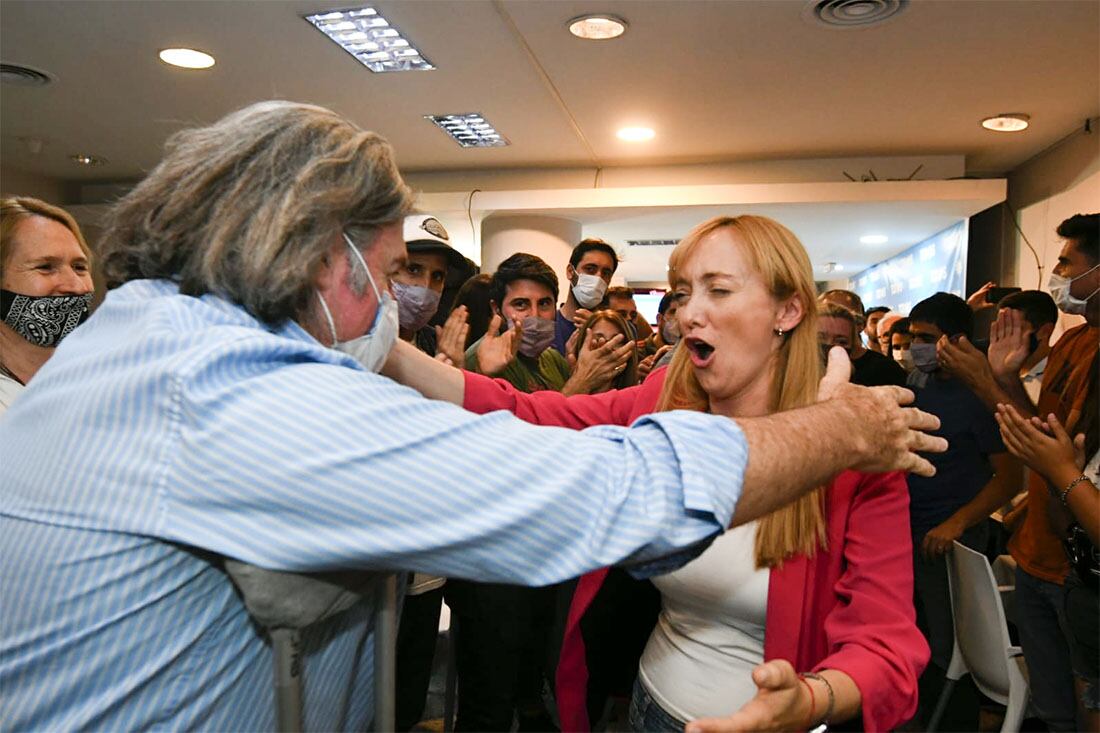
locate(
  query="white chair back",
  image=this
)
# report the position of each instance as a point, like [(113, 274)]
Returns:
[(981, 631)]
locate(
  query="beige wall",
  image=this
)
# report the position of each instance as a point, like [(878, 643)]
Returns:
[(19, 183), (1046, 190)]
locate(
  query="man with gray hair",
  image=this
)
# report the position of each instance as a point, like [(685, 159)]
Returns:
[(224, 403)]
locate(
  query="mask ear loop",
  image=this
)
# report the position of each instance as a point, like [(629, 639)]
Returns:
[(328, 317), (370, 278)]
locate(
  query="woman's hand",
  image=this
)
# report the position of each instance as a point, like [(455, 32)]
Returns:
[(595, 367), (498, 351), (451, 338), (1045, 447), (782, 702)]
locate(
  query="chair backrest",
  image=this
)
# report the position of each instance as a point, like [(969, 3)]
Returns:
[(980, 628)]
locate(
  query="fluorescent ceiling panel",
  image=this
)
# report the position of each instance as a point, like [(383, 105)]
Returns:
[(370, 38), (470, 130)]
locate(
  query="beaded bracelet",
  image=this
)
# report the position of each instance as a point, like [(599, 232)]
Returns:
[(1069, 488)]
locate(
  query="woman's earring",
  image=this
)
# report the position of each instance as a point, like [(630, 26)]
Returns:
[(779, 331)]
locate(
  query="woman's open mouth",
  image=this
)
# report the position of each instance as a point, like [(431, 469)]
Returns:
[(701, 352)]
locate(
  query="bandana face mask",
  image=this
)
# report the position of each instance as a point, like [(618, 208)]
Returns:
[(44, 320)]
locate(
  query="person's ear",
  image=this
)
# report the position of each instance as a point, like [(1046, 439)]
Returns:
[(570, 272), (1043, 334), (790, 314)]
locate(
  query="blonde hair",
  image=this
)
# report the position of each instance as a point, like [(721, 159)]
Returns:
[(247, 208), (781, 261), (832, 309), (15, 209)]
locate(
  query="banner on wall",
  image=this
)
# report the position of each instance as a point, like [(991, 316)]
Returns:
[(938, 264)]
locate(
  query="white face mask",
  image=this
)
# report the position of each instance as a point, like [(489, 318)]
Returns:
[(372, 348), (670, 331), (1059, 286), (905, 358), (589, 290)]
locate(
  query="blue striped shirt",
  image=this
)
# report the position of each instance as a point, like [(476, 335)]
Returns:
[(170, 431)]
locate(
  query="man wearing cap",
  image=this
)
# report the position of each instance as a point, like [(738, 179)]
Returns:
[(432, 265)]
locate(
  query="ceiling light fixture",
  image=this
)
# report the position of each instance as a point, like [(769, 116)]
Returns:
[(1007, 122), (636, 134), (24, 76), (852, 13), (470, 130), (88, 160), (874, 239), (186, 58), (597, 27), (371, 39)]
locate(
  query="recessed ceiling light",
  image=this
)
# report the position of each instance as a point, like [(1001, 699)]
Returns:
[(470, 130), (636, 134), (832, 267), (88, 160), (874, 239), (370, 38), (1008, 122), (186, 58), (597, 27)]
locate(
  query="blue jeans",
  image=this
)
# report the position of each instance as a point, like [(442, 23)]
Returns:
[(649, 717), (1040, 620)]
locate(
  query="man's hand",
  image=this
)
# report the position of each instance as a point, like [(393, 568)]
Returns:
[(581, 316), (1044, 446), (781, 703), (938, 541), (450, 345), (1008, 344), (494, 353), (978, 301), (964, 361), (596, 367), (890, 435), (645, 366)]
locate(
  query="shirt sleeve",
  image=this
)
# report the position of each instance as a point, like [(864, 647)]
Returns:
[(315, 467)]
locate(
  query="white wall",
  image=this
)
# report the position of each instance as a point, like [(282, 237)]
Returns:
[(1053, 186)]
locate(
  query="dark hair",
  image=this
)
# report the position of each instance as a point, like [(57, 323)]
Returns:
[(1038, 307), (1084, 231), (592, 244), (900, 327), (620, 291), (521, 266), (474, 294), (947, 312), (877, 309), (666, 301)]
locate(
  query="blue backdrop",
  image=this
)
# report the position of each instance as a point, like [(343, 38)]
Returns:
[(938, 264)]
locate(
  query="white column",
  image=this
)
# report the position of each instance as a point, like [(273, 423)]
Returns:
[(548, 237)]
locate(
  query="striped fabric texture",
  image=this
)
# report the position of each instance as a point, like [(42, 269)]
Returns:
[(170, 431)]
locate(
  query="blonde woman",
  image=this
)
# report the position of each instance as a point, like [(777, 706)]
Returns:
[(802, 617)]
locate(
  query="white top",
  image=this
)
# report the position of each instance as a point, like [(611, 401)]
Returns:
[(710, 634), (9, 390)]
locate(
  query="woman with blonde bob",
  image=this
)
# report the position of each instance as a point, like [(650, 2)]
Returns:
[(802, 617)]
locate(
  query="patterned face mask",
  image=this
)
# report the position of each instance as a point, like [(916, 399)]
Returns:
[(44, 320)]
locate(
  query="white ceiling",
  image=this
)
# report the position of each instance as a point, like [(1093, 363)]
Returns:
[(719, 81)]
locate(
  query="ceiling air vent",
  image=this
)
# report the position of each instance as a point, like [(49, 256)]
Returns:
[(23, 76), (652, 242), (853, 13)]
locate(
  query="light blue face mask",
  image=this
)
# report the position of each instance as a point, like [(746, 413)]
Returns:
[(924, 357), (372, 348)]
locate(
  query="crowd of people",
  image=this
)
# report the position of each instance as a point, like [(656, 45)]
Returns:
[(736, 520)]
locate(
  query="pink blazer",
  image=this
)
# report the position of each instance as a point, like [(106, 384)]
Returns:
[(848, 608)]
